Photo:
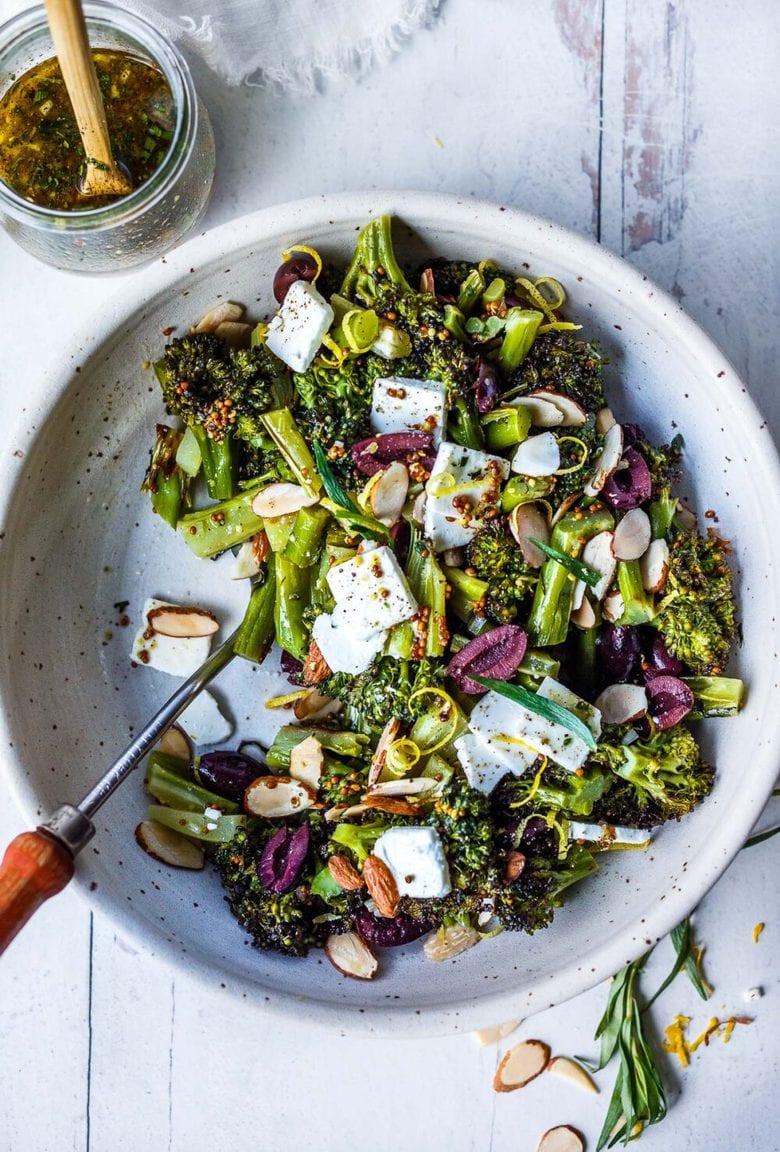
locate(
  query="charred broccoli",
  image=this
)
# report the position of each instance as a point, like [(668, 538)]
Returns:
[(529, 902), (496, 558), (381, 692), (562, 362), (334, 403), (697, 614)]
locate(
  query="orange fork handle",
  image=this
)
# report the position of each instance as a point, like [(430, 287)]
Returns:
[(34, 868)]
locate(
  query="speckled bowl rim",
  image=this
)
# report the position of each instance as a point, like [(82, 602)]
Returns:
[(665, 314)]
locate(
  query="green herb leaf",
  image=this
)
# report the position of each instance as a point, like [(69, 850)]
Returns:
[(546, 708), (761, 837), (588, 575), (332, 486), (688, 959), (341, 505)]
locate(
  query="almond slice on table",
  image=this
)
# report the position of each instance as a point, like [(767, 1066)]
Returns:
[(561, 1139), (632, 535), (381, 886), (443, 945), (608, 460), (226, 311), (345, 874), (573, 413), (622, 703), (180, 621), (175, 742), (528, 523), (520, 1065), (168, 846), (352, 956), (281, 499), (485, 1036), (544, 414), (307, 762), (388, 494), (654, 566), (277, 796), (570, 1070)]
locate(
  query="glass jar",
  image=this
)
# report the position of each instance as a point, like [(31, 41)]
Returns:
[(154, 217)]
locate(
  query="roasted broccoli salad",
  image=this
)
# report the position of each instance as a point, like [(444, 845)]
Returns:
[(499, 625)]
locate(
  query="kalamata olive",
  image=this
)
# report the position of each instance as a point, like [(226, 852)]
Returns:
[(669, 700), (659, 660), (292, 667), (298, 267), (402, 536), (228, 773), (496, 654), (487, 386), (538, 838), (619, 654), (630, 485), (281, 861), (389, 932), (374, 454)]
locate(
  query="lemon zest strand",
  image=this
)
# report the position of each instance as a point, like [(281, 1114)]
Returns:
[(580, 463), (758, 929), (402, 755), (339, 354), (534, 786), (288, 698), (453, 716)]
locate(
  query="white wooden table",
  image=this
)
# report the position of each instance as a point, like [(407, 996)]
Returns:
[(651, 127)]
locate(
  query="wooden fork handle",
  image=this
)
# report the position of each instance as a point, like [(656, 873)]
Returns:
[(35, 867)]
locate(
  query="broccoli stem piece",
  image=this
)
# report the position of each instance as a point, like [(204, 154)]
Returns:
[(285, 434), (429, 587), (188, 453), (165, 481), (278, 529), (293, 596), (349, 744), (256, 632), (584, 669), (715, 696), (463, 426), (212, 530), (305, 540), (220, 463), (169, 781), (548, 622), (506, 427), (470, 291), (535, 666), (519, 334), (467, 593), (455, 323), (524, 490), (662, 513), (219, 830), (638, 605), (373, 257)]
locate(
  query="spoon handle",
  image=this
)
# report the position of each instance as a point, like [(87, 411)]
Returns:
[(71, 43), (34, 867)]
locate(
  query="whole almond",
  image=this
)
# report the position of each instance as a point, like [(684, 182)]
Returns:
[(315, 666), (345, 875), (515, 863), (381, 886)]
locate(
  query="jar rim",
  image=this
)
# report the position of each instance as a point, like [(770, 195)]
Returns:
[(101, 15)]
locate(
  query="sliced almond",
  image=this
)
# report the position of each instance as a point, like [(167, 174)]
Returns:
[(632, 535), (307, 762), (187, 623), (599, 555), (543, 413), (604, 421), (169, 846), (654, 566), (175, 742), (281, 499), (345, 874), (226, 311), (381, 886), (451, 941), (418, 508), (686, 517), (622, 703), (613, 607), (392, 804), (312, 705), (352, 956), (277, 796), (454, 557), (608, 460), (403, 787), (250, 557), (537, 456), (485, 1036), (389, 734), (520, 1065), (585, 616), (235, 333), (561, 1139), (564, 507), (574, 415), (388, 495), (527, 522), (571, 1070)]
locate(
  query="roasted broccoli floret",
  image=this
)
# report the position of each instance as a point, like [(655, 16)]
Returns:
[(497, 559), (663, 779), (529, 903), (562, 362), (575, 795), (335, 403), (461, 816), (697, 614), (381, 692)]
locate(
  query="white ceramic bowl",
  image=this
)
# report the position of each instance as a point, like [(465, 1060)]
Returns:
[(79, 538)]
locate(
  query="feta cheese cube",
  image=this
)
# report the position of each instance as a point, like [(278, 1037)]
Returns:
[(176, 655), (371, 592), (406, 405), (505, 724), (589, 714), (609, 834), (416, 858), (481, 764), (342, 649), (204, 723), (462, 484), (296, 331)]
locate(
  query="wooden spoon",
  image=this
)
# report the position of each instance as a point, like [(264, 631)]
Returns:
[(68, 29)]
